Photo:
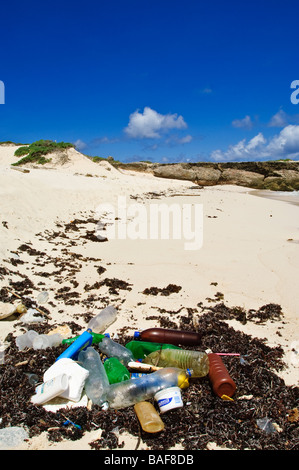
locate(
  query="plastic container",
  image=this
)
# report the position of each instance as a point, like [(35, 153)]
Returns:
[(148, 417), (169, 399), (115, 370), (96, 338), (82, 342), (97, 383), (112, 349), (103, 319), (50, 389), (220, 379), (76, 374), (26, 340), (195, 361), (130, 392), (176, 337), (46, 341), (141, 349)]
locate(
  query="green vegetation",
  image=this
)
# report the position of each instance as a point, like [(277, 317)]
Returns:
[(36, 151)]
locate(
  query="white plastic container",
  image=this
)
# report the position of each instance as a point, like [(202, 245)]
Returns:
[(50, 389), (169, 398), (76, 377)]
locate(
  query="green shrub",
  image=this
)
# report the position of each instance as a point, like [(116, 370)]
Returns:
[(35, 152)]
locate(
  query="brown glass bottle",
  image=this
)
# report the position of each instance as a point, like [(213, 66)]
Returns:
[(175, 337), (220, 379)]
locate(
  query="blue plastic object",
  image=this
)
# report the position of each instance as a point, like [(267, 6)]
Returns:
[(72, 352)]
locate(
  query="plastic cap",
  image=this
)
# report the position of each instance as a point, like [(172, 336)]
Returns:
[(183, 381), (136, 334)]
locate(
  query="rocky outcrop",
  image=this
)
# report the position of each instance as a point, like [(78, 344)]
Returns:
[(276, 175)]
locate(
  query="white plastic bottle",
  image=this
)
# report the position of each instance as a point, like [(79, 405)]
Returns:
[(103, 319), (50, 389)]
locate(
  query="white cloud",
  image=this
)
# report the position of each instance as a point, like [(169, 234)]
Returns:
[(244, 123), (80, 145), (280, 119), (283, 145), (150, 124)]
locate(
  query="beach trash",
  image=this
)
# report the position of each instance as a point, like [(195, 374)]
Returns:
[(195, 361), (112, 349), (220, 379), (148, 417), (130, 392), (115, 370), (141, 349), (169, 399), (12, 436), (42, 297), (163, 335), (103, 319), (26, 340), (50, 389), (6, 310), (97, 383), (76, 374), (81, 343)]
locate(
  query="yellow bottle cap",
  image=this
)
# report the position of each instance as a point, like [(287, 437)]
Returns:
[(183, 381)]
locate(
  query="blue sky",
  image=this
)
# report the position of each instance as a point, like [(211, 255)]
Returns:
[(153, 80)]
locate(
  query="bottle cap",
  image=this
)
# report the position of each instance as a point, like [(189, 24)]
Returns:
[(136, 334), (183, 381)]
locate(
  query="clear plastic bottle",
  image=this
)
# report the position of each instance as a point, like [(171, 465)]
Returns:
[(148, 417), (112, 349), (141, 349), (47, 341), (97, 383), (26, 340), (130, 392), (103, 319), (197, 362), (164, 335)]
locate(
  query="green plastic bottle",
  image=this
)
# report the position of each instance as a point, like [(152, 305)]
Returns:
[(141, 349), (96, 338), (115, 370)]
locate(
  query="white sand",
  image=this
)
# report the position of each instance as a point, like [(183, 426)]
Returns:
[(250, 248)]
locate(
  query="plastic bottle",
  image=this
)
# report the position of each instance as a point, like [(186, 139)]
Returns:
[(197, 362), (50, 389), (103, 319), (220, 379), (97, 383), (141, 349), (176, 337), (82, 342), (25, 340), (130, 392), (112, 349), (46, 341), (115, 370), (148, 417), (96, 338)]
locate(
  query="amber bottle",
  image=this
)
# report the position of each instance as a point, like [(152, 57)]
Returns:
[(220, 379), (163, 335)]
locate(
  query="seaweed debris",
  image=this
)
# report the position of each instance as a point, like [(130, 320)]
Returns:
[(204, 419)]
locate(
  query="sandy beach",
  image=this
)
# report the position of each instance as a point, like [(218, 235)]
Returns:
[(249, 254)]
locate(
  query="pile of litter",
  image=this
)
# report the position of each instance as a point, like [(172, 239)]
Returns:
[(262, 415)]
